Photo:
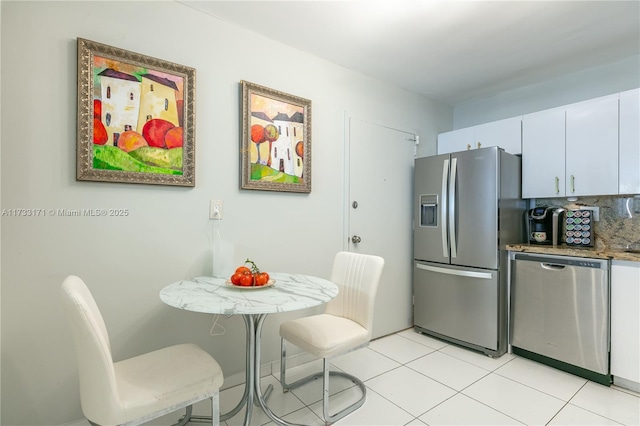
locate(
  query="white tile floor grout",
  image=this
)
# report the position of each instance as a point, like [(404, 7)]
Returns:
[(413, 379)]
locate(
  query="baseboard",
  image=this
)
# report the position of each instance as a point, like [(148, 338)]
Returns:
[(627, 384), (82, 422)]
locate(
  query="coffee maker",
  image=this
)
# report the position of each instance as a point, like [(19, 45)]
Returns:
[(544, 225)]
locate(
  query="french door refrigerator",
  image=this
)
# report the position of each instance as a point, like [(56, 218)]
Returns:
[(468, 208)]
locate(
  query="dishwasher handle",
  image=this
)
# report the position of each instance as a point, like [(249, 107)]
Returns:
[(556, 260), (552, 266)]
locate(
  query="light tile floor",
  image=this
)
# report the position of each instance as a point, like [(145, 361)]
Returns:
[(413, 379)]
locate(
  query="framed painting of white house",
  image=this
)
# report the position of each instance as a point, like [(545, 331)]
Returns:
[(136, 121), (276, 140)]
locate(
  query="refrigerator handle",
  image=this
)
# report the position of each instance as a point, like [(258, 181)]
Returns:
[(452, 208), (459, 273), (443, 205)]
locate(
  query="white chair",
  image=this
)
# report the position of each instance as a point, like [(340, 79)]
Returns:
[(138, 389), (345, 325)]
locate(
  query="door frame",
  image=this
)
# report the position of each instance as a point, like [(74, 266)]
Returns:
[(346, 182)]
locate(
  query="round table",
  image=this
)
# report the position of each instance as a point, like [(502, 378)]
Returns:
[(211, 295)]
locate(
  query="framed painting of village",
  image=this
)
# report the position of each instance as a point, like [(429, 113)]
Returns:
[(136, 121), (276, 140)]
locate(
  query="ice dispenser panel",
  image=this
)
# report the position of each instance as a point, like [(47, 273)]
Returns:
[(429, 210)]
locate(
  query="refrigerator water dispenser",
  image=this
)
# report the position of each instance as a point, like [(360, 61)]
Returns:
[(429, 210)]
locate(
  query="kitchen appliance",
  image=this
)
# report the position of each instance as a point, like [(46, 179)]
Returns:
[(560, 313), (468, 207), (544, 225), (578, 228)]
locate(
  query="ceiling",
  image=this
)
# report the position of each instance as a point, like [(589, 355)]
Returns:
[(450, 51)]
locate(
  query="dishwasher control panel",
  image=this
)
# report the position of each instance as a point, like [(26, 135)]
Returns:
[(563, 260)]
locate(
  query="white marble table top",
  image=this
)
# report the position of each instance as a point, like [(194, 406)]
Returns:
[(211, 295)]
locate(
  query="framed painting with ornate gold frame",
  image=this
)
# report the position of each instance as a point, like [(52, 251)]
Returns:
[(276, 140), (136, 120)]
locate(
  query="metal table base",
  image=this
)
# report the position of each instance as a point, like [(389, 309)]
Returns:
[(252, 392)]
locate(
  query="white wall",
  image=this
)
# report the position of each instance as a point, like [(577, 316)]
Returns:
[(167, 235), (587, 84)]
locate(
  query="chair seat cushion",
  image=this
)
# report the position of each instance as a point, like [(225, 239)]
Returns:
[(144, 385), (324, 335)]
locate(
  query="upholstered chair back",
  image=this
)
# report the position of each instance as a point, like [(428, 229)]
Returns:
[(357, 277), (98, 391)]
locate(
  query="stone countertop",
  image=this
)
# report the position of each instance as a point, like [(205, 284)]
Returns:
[(563, 250)]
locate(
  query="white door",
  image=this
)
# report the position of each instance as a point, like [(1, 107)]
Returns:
[(379, 212)]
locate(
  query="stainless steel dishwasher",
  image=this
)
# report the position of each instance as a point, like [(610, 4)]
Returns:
[(560, 313)]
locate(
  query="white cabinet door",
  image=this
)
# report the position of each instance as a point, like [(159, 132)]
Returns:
[(506, 134), (456, 140), (543, 156), (592, 147), (625, 321), (629, 165)]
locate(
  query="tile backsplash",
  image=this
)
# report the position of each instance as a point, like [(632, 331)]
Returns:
[(619, 224)]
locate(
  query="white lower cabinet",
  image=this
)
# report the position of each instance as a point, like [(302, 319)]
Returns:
[(625, 324)]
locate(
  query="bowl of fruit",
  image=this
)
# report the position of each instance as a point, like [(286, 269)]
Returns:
[(249, 277)]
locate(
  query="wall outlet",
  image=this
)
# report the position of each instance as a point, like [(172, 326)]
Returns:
[(215, 210), (595, 210)]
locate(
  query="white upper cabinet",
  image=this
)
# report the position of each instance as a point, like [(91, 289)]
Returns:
[(629, 165), (543, 157), (583, 149), (591, 152), (456, 140), (506, 134)]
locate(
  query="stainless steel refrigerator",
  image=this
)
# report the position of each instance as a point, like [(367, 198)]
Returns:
[(468, 208)]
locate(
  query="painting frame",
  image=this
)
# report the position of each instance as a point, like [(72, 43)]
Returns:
[(153, 166), (291, 173)]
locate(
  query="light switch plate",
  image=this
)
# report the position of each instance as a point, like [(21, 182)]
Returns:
[(215, 210)]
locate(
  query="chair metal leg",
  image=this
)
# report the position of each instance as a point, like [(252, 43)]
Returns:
[(325, 374), (215, 409), (328, 418), (283, 364), (184, 419)]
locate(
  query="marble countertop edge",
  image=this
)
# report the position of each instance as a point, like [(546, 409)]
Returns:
[(563, 250)]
